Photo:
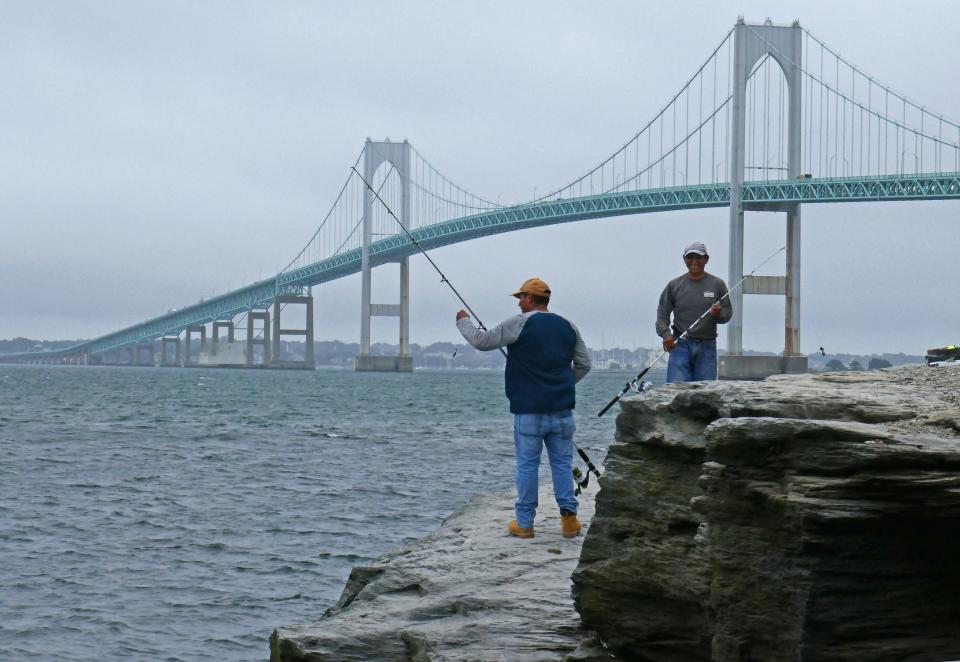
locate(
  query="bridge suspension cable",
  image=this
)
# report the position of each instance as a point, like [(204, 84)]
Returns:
[(333, 212), (856, 126), (852, 126), (434, 198), (847, 133), (708, 90)]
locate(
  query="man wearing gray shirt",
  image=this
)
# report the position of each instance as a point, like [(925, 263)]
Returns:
[(687, 298)]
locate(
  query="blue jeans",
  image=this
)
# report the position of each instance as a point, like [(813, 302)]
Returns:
[(531, 432), (693, 360)]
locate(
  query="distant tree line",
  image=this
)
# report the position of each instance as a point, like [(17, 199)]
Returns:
[(875, 363), (462, 355), (16, 345)]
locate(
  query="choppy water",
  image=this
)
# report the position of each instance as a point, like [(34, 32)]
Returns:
[(183, 514)]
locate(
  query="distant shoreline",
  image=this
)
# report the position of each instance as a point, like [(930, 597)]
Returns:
[(336, 354)]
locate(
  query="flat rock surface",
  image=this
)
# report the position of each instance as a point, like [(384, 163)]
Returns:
[(468, 591)]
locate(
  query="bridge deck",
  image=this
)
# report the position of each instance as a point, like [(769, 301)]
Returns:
[(755, 195)]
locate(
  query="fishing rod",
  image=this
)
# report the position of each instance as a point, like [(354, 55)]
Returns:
[(632, 385), (443, 279)]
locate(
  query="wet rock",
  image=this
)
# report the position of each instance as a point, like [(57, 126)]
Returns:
[(468, 591), (800, 518)]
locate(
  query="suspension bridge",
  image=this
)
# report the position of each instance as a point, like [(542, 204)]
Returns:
[(773, 119)]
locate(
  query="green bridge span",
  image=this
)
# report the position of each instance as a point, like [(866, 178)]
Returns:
[(767, 195)]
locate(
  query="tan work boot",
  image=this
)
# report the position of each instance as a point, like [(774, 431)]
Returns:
[(519, 531), (570, 525)]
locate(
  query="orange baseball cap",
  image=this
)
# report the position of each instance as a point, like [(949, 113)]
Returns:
[(533, 286)]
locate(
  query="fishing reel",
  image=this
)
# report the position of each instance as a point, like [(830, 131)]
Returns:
[(582, 480), (640, 387)]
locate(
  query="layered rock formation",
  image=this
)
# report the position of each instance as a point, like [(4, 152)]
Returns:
[(468, 591), (801, 518)]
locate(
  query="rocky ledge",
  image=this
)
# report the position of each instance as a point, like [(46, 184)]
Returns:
[(468, 591), (809, 517)]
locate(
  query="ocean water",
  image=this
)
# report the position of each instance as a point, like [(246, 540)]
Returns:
[(164, 514)]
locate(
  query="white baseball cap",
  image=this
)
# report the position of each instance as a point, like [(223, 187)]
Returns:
[(696, 247)]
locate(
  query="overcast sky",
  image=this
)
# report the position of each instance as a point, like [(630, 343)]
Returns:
[(155, 152)]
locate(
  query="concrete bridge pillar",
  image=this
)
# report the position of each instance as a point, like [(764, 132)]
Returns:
[(215, 335), (784, 45), (252, 340), (164, 343), (279, 303), (398, 155), (144, 354), (189, 331), (216, 355)]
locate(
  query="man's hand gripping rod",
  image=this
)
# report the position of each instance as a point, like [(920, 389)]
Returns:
[(443, 279), (632, 385)]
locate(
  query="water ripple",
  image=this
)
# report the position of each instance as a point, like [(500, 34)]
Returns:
[(149, 514)]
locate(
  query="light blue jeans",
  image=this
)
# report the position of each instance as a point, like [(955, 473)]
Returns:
[(693, 360), (531, 432)]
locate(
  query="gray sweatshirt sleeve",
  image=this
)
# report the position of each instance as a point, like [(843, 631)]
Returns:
[(663, 312), (726, 308), (503, 334), (581, 358)]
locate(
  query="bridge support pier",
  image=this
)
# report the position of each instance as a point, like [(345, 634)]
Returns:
[(403, 362), (784, 45), (253, 341), (308, 362), (398, 155), (188, 337), (144, 355), (164, 343), (215, 335), (130, 356), (220, 354)]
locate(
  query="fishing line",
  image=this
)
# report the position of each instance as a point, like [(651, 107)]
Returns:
[(633, 384), (443, 279)]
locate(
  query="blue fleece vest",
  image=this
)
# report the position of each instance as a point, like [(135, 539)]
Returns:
[(539, 374)]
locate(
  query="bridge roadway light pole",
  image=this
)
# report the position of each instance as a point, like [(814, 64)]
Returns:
[(783, 44)]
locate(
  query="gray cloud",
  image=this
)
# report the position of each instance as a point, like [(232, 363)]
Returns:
[(154, 153)]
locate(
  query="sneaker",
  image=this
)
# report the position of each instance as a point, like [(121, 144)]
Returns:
[(570, 525), (519, 531)]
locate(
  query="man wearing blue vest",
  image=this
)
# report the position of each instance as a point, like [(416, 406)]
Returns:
[(545, 358)]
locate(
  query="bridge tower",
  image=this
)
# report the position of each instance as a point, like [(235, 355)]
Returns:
[(374, 155), (784, 44)]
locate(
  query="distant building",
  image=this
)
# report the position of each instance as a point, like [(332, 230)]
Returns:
[(606, 364)]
